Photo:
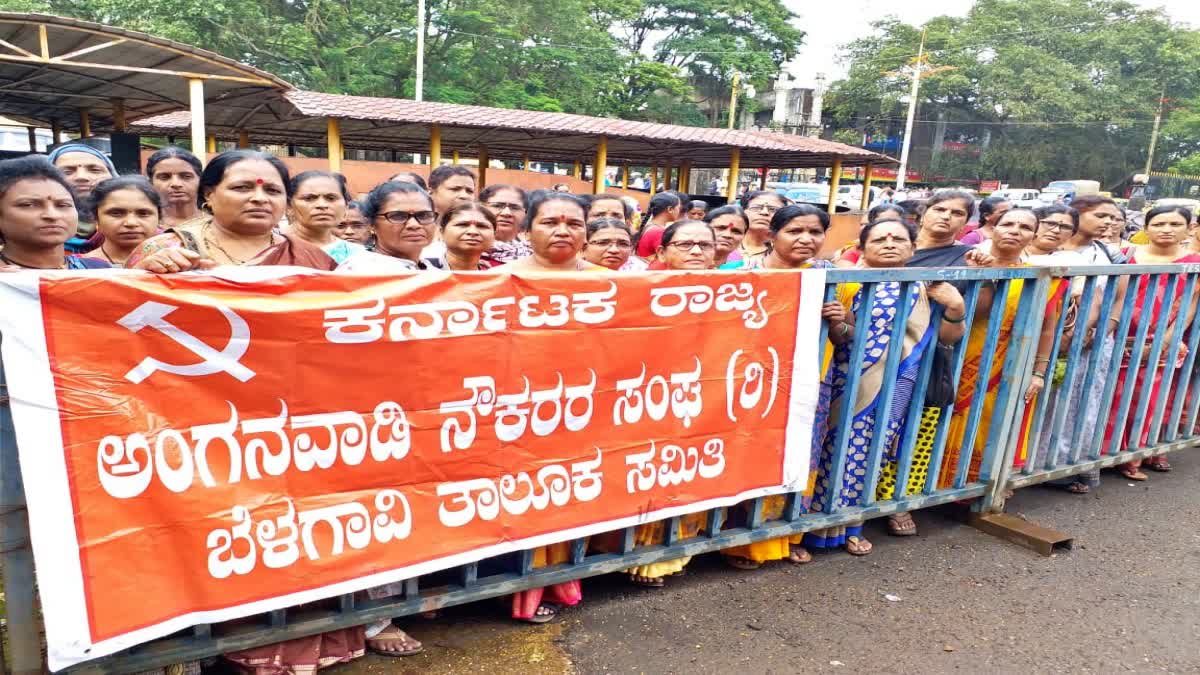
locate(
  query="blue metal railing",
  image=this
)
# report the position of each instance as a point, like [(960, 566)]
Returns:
[(1166, 406)]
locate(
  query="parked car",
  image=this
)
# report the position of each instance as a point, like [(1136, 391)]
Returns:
[(1026, 198)]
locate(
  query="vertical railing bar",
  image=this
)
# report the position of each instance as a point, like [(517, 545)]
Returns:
[(578, 550), (16, 553), (916, 410), (346, 603), (277, 618), (412, 588), (849, 394), (525, 562), (1162, 321), (975, 415), (1131, 373), (960, 355), (202, 631), (883, 407), (671, 531), (628, 538), (1000, 448), (1188, 388), (1051, 393), (468, 574), (1114, 365), (1168, 378), (714, 522), (1089, 379), (1073, 354), (754, 519)]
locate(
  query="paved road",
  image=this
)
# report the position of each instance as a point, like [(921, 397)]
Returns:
[(1126, 599)]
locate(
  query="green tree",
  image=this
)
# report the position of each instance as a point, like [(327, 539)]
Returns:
[(1044, 89)]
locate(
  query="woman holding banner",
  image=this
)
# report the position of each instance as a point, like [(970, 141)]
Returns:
[(885, 244), (37, 217), (798, 233)]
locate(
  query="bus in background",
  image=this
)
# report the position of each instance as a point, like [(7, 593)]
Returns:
[(1063, 191)]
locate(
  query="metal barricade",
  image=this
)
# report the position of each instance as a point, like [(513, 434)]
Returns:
[(979, 476)]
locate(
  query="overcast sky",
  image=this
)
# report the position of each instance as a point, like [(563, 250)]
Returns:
[(832, 24)]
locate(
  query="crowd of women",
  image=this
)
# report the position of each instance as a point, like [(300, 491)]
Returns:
[(71, 210)]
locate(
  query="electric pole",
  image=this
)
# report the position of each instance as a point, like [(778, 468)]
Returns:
[(1162, 99), (917, 70)]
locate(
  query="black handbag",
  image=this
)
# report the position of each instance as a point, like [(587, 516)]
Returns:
[(940, 392)]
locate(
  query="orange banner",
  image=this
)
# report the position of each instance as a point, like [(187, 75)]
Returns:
[(232, 444)]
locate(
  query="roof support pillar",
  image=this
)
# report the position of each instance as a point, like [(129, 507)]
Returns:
[(577, 171), (600, 168), (196, 102), (667, 177), (625, 177), (455, 159), (735, 166), (32, 138), (85, 123), (210, 145), (435, 145), (333, 133), (866, 195), (291, 150), (835, 179), (481, 180), (685, 177), (243, 138), (525, 162), (653, 180), (55, 132), (118, 117), (762, 180)]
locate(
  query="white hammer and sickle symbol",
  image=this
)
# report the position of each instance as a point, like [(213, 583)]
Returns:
[(154, 315)]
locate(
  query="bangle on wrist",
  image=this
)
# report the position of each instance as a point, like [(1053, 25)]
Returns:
[(1041, 359), (1039, 374), (843, 329), (960, 319)]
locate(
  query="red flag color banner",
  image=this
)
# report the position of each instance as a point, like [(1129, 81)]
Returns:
[(251, 439)]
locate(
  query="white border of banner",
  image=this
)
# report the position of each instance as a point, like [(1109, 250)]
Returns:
[(52, 522)]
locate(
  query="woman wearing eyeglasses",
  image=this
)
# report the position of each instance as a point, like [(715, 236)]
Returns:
[(688, 245), (609, 244), (508, 203), (759, 206), (402, 221)]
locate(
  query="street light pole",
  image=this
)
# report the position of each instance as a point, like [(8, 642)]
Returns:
[(420, 87), (902, 173), (1154, 134)]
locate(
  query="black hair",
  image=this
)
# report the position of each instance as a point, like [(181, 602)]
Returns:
[(662, 202), (592, 199), (539, 198), (727, 210), (488, 214), (755, 194), (1055, 209), (409, 177), (214, 173), (31, 167), (309, 175), (988, 206), (379, 194), (130, 182), (598, 224), (445, 172), (790, 212), (866, 231), (173, 152), (491, 190), (698, 204), (950, 196), (669, 233), (356, 205), (1088, 202), (1161, 210), (880, 209)]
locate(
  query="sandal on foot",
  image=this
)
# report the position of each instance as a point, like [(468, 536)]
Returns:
[(799, 556), (648, 582), (858, 546), (901, 525), (1134, 474), (1077, 488), (392, 641), (1159, 464), (742, 563), (544, 613)]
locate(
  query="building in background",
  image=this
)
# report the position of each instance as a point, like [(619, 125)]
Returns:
[(789, 106)]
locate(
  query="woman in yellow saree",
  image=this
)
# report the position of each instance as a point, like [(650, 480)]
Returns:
[(1013, 233)]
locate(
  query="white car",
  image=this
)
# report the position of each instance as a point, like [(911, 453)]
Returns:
[(1024, 198), (850, 196)]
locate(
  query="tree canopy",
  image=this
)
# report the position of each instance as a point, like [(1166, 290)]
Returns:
[(1035, 89), (656, 60)]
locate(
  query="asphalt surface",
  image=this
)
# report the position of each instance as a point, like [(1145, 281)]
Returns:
[(1125, 599)]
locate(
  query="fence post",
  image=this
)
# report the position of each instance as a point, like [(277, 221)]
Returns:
[(24, 641), (1018, 370)]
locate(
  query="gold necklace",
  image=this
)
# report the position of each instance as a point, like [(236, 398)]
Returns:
[(211, 240)]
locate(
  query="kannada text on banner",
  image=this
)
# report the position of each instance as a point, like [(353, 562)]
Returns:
[(232, 444)]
